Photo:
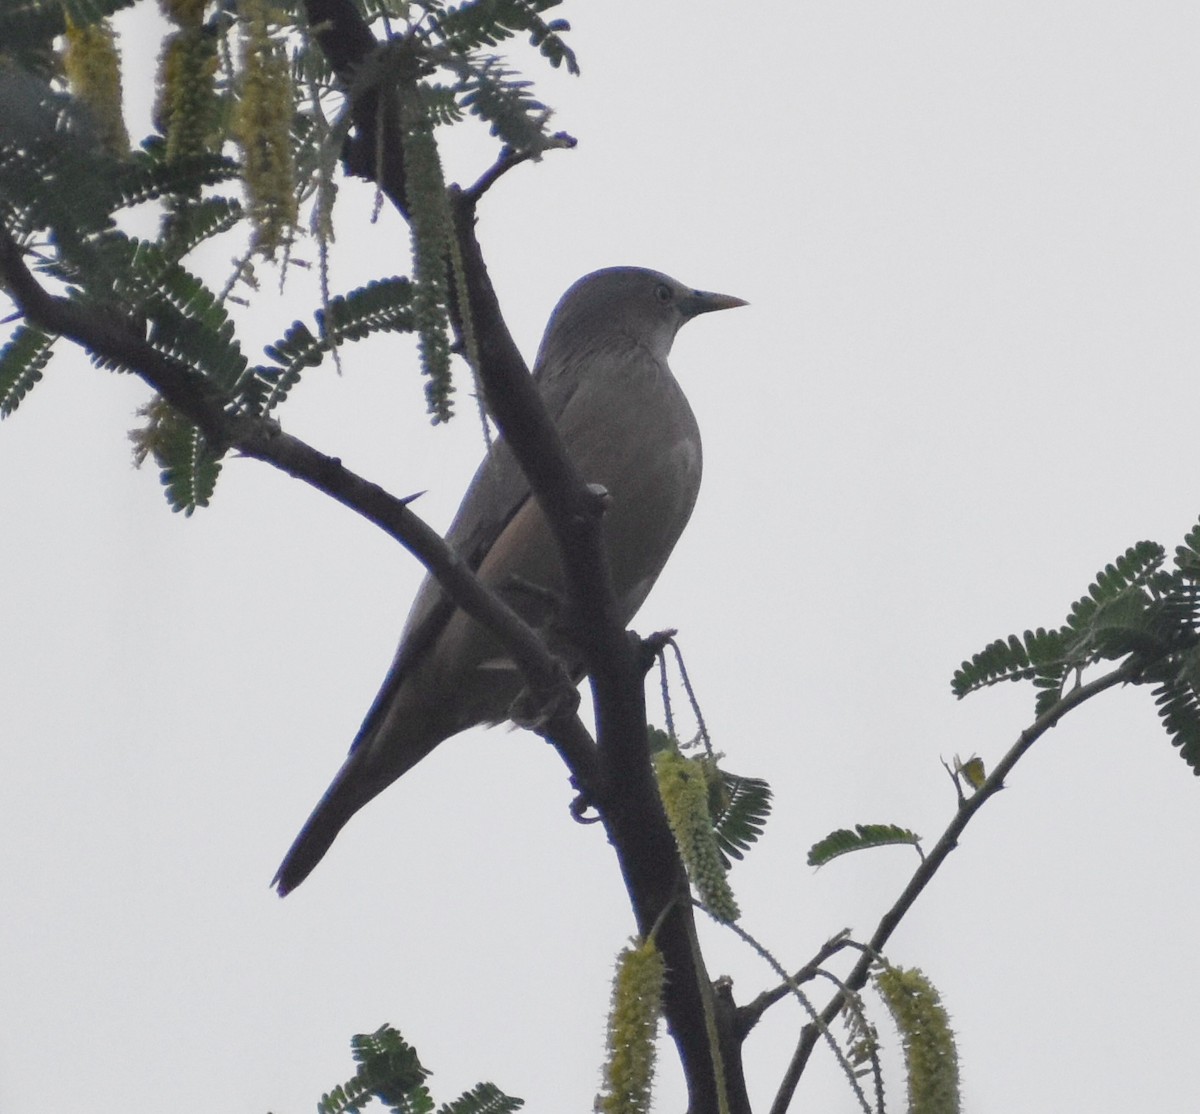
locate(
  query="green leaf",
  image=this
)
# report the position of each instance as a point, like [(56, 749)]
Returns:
[(147, 175), (189, 467), (387, 1063), (1132, 569), (21, 362), (864, 836), (483, 1098), (384, 305), (1187, 555), (1179, 710), (468, 26), (1039, 653), (494, 93), (54, 172), (1122, 625), (390, 1071), (739, 813)]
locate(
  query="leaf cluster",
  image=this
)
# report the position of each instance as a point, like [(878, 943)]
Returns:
[(466, 27), (1136, 610), (64, 195), (390, 1071)]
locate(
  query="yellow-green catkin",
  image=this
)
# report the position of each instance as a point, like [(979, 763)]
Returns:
[(683, 784), (187, 109), (633, 1029), (93, 69), (263, 129), (930, 1055)]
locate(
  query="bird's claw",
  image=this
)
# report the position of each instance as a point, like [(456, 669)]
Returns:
[(579, 807), (534, 711)]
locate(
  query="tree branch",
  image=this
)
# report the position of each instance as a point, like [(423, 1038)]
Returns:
[(615, 772), (749, 1015), (262, 439), (506, 161), (968, 807), (375, 151), (627, 794)]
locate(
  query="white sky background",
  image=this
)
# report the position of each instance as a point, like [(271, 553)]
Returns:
[(970, 235)]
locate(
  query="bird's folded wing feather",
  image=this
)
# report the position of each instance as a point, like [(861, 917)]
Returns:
[(496, 494)]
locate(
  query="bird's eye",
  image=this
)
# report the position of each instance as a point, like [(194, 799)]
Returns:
[(663, 293)]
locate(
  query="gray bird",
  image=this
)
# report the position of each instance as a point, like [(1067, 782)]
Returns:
[(603, 375)]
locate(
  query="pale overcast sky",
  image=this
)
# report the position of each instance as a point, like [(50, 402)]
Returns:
[(970, 236)]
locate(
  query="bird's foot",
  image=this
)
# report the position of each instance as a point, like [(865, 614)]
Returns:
[(579, 809), (534, 711)]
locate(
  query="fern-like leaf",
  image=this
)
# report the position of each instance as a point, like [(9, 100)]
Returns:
[(384, 305), (54, 172), (1130, 570), (739, 813), (190, 470), (465, 27), (213, 351), (388, 1065), (148, 175), (1123, 624), (1006, 659), (191, 223), (493, 92), (483, 1098), (1177, 611), (1179, 710), (348, 1098), (189, 467), (1187, 555), (21, 362), (864, 836)]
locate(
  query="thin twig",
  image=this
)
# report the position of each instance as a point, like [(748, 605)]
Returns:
[(793, 987), (691, 694), (665, 685), (921, 877), (508, 159)]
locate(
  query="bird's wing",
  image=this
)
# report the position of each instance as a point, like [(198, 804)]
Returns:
[(495, 496)]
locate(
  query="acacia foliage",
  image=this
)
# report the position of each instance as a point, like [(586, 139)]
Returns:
[(250, 125), (1135, 609)]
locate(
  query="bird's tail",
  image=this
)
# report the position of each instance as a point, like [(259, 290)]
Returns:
[(349, 791), (309, 847), (392, 739)]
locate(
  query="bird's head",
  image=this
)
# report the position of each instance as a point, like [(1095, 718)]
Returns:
[(623, 303)]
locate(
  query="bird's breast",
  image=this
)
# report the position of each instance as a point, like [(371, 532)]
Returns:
[(643, 446)]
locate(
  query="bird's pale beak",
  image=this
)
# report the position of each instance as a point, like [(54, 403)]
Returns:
[(702, 301)]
